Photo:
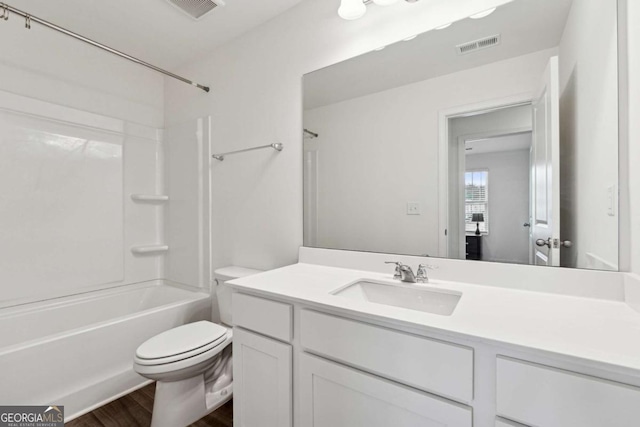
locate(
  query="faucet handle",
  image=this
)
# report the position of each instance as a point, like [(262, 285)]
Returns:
[(421, 274), (397, 275)]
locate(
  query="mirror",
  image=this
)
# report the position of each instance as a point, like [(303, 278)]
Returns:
[(492, 139)]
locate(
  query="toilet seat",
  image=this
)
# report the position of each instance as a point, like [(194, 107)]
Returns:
[(182, 343)]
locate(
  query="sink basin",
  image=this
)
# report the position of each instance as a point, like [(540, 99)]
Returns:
[(412, 297)]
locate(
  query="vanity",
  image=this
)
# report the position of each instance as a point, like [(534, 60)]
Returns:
[(312, 348)]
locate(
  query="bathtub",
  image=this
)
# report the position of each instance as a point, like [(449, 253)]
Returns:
[(77, 351)]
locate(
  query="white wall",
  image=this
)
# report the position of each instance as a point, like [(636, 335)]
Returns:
[(508, 240), (68, 81), (256, 99), (589, 134), (43, 64), (631, 162), (378, 152)]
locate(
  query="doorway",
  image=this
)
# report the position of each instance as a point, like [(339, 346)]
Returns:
[(489, 185), (495, 203)]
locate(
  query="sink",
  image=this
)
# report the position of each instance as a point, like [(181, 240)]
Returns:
[(412, 297)]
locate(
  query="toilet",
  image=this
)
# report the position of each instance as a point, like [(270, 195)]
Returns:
[(192, 363)]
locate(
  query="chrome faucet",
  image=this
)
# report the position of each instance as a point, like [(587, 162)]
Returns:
[(403, 272), (421, 274)]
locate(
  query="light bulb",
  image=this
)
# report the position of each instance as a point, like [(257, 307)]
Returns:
[(385, 2), (351, 9), (483, 14)]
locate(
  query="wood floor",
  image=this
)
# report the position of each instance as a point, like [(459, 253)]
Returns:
[(135, 410)]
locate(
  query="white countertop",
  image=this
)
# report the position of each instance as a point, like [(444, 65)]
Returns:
[(597, 331)]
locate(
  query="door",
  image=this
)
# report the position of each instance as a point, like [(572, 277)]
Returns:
[(262, 369), (332, 395), (545, 170)]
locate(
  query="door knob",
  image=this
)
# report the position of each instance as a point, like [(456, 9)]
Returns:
[(556, 243), (542, 242), (526, 224)]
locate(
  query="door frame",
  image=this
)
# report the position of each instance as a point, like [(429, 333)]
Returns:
[(443, 153)]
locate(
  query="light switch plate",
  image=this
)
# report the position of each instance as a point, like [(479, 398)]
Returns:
[(413, 208)]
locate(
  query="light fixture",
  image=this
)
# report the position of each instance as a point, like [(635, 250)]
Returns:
[(354, 9), (442, 27), (351, 9), (483, 14)]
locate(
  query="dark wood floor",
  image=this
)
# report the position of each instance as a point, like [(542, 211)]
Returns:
[(135, 410)]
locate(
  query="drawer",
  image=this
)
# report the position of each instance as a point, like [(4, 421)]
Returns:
[(264, 316), (543, 396), (426, 364), (333, 395)]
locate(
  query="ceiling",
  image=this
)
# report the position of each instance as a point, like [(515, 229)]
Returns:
[(498, 144), (525, 26), (154, 30)]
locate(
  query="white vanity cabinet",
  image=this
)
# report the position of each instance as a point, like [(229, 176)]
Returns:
[(429, 365), (333, 395), (262, 363), (302, 366), (538, 395)]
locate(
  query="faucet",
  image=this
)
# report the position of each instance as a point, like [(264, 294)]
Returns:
[(421, 274), (403, 272)]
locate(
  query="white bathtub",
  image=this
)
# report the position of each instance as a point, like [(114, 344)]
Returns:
[(78, 351)]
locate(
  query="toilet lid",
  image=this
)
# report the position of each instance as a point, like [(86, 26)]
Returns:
[(184, 339)]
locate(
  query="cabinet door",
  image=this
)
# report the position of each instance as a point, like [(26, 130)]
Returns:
[(333, 395), (262, 370), (540, 395)]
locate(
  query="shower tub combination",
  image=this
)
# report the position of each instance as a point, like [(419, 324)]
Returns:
[(77, 351)]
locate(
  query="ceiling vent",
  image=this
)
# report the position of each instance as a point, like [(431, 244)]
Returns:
[(476, 45), (196, 9)]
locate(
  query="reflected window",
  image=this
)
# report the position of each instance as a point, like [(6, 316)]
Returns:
[(476, 191)]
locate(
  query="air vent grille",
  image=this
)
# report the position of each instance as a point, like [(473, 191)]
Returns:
[(479, 44), (196, 8)]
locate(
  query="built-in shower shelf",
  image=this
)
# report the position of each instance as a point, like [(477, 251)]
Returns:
[(149, 198), (149, 249)]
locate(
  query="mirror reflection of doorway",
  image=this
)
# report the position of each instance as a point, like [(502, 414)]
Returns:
[(490, 185), (497, 198)]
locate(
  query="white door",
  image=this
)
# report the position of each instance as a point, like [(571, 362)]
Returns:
[(332, 395), (545, 170), (262, 370)]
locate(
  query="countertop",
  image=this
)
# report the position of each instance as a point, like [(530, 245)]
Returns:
[(602, 332)]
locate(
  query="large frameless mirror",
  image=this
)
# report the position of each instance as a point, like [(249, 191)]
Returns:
[(491, 139)]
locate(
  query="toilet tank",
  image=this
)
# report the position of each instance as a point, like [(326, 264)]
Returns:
[(223, 292)]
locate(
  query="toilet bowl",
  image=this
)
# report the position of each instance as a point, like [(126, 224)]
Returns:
[(192, 363)]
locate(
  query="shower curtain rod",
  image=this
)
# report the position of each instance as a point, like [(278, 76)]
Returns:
[(6, 10)]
